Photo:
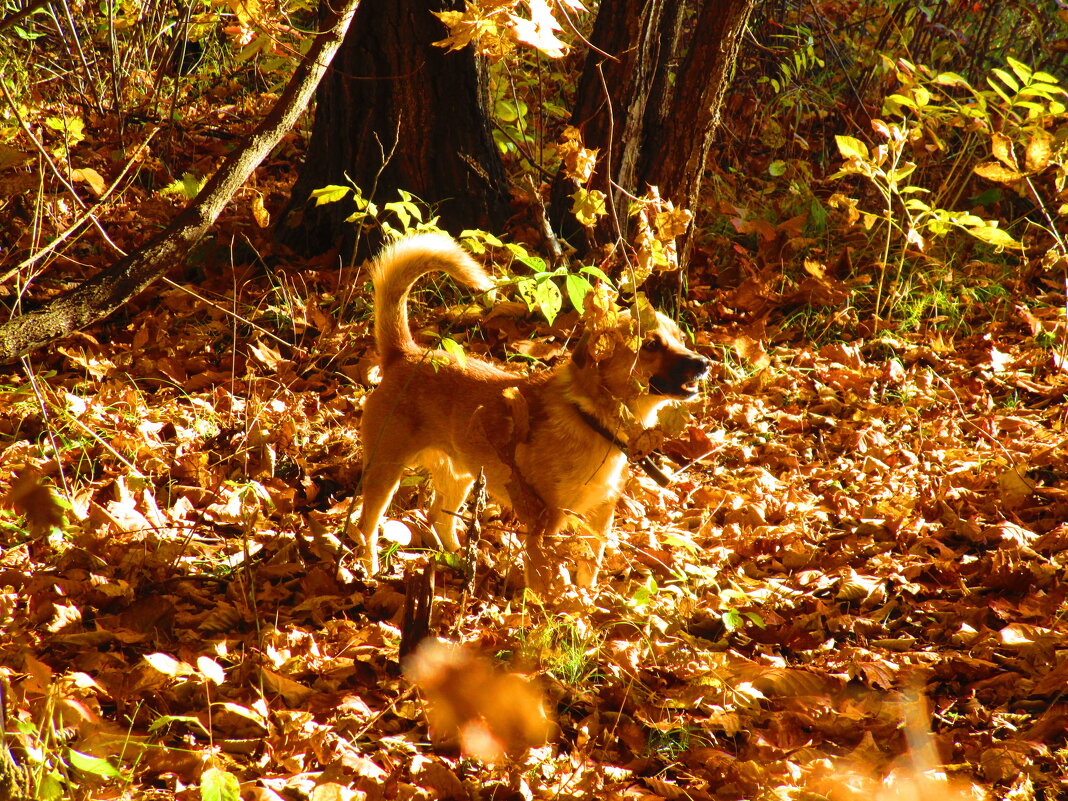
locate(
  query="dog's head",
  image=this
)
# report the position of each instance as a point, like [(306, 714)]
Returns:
[(673, 370), (641, 360)]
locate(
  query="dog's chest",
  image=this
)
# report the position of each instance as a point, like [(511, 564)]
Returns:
[(570, 466)]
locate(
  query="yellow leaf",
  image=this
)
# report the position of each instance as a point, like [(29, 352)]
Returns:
[(30, 497), (1014, 488), (168, 665), (588, 205), (538, 31), (260, 213), (90, 176), (1003, 152), (672, 222), (492, 713), (211, 669), (995, 172), (579, 162), (1039, 151)]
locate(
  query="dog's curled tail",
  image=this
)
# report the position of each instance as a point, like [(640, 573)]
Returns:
[(394, 271)]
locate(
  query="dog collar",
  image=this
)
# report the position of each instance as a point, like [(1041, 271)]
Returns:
[(645, 463)]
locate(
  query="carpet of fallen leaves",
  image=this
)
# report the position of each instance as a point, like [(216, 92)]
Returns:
[(856, 590)]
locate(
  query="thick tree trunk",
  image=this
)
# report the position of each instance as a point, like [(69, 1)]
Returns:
[(395, 113), (652, 103), (108, 290)]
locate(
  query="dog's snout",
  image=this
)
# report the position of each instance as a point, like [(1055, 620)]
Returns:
[(698, 363)]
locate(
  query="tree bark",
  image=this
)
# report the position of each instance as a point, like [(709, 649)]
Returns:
[(398, 112), (107, 291), (679, 127), (651, 100)]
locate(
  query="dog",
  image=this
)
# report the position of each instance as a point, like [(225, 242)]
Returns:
[(549, 443)]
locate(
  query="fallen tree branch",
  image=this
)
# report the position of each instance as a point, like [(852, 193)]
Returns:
[(107, 291)]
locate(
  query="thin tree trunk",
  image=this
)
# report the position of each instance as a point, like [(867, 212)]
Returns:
[(397, 112), (652, 105), (107, 291), (610, 105), (679, 128)]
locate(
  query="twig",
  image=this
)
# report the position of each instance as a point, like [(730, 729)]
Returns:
[(235, 315), (88, 214), (54, 167)]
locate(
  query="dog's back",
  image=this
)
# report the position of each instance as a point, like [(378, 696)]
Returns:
[(401, 265)]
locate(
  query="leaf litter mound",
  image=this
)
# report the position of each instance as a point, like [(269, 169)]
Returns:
[(855, 590)]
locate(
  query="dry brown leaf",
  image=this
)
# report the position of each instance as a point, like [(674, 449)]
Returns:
[(34, 500), (492, 713)]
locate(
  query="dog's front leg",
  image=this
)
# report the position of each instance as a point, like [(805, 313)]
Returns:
[(451, 488), (539, 574), (380, 481), (599, 520)]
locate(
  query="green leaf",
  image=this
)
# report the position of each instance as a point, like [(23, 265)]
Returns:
[(507, 111), (757, 619), (993, 236), (163, 721), (191, 185), (1006, 79), (91, 764), (1045, 90), (401, 209), (525, 288), (643, 595), (330, 194), (451, 346), (732, 619), (901, 173), (951, 79), (777, 168), (22, 33), (476, 240), (1023, 72), (261, 44), (597, 272), (218, 785), (549, 299), (987, 198), (852, 148), (675, 541), (900, 100), (577, 287), (535, 263), (50, 787), (541, 294), (453, 560)]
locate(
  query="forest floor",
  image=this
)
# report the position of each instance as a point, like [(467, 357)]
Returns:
[(855, 590)]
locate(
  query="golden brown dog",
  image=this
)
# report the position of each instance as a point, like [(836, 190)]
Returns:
[(549, 444)]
